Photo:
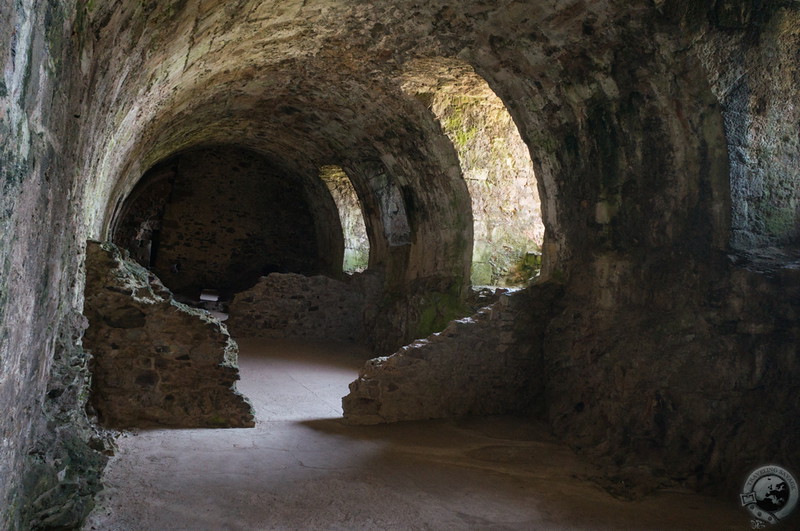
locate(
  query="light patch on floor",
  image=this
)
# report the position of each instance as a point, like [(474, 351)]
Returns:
[(300, 468)]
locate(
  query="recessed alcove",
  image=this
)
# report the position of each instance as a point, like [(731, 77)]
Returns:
[(220, 217)]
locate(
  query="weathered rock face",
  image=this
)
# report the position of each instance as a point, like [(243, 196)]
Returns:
[(155, 362), (64, 463), (298, 307), (685, 395), (486, 364), (226, 217)]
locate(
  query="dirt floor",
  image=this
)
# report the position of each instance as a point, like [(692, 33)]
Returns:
[(300, 468)]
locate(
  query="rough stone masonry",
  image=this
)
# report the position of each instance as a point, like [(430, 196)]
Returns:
[(155, 361)]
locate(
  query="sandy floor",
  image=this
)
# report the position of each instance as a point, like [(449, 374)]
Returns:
[(301, 469)]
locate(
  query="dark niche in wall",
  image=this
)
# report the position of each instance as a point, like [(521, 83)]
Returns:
[(219, 218)]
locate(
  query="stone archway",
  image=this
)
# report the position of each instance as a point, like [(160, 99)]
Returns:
[(220, 217), (351, 216), (496, 164)]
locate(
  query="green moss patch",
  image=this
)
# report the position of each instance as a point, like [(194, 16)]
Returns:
[(438, 309)]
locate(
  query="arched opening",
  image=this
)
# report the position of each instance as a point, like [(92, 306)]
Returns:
[(403, 169), (508, 231), (351, 216), (220, 217)]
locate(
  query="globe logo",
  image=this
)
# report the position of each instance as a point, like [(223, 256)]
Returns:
[(770, 495)]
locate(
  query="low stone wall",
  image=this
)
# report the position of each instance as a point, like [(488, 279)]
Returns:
[(486, 364), (156, 362), (295, 306)]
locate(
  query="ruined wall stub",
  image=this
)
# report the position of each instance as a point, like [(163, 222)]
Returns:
[(156, 362)]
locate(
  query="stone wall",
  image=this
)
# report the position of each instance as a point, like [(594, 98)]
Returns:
[(358, 308), (761, 115), (696, 395), (65, 462), (138, 223), (298, 307), (487, 364), (50, 456), (155, 362)]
